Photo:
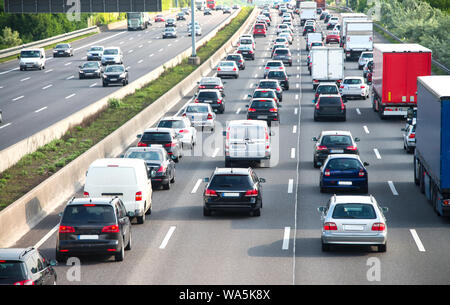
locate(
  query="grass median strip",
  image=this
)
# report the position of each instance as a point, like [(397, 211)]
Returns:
[(34, 168)]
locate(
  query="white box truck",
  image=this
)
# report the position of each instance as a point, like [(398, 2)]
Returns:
[(359, 38), (327, 65), (307, 11), (345, 17)]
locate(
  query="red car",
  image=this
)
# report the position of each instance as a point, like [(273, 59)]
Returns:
[(260, 29), (333, 37), (159, 18)]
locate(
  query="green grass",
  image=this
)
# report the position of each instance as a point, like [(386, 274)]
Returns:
[(34, 168)]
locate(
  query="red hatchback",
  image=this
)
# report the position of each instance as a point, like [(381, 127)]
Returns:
[(159, 18), (259, 29), (333, 37)]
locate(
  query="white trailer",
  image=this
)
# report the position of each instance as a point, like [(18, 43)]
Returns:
[(327, 65), (350, 16), (359, 37), (200, 4), (307, 11)]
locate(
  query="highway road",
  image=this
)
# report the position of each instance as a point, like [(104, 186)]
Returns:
[(34, 100), (178, 245)]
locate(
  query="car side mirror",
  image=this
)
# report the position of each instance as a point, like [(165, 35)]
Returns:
[(122, 156), (151, 174), (53, 263), (403, 129), (319, 164), (60, 214), (250, 96), (357, 140), (366, 164), (224, 133), (385, 209), (130, 214), (206, 180), (262, 180), (315, 139), (139, 136), (246, 106), (321, 209), (18, 56), (79, 67)]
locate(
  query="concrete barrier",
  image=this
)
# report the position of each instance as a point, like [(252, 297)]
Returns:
[(21, 216)]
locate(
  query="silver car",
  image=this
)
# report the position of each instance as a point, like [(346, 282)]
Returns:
[(182, 126), (364, 59), (353, 220), (95, 53), (111, 56), (409, 138), (227, 68), (200, 115)]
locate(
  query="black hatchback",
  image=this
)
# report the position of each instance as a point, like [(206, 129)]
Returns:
[(26, 266), (115, 74), (264, 109), (236, 189), (97, 226), (333, 142), (213, 97), (281, 76), (239, 59), (330, 106)]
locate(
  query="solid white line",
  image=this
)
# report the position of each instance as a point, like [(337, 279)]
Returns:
[(197, 185), (292, 153), (290, 186), (294, 129), (46, 87), (287, 232), (298, 76), (216, 151), (39, 110), (358, 111), (377, 153), (393, 189), (96, 42), (4, 72), (70, 77), (166, 239), (70, 96), (24, 79), (47, 236), (6, 125), (297, 85), (18, 98), (417, 240), (296, 96), (366, 129), (239, 110)]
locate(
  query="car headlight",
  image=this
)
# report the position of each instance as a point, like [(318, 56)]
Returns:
[(105, 76), (122, 75), (81, 71)]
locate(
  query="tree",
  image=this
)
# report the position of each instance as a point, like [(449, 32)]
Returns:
[(10, 38)]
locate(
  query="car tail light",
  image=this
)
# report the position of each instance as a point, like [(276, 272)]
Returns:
[(327, 173), (111, 229), (234, 69), (138, 196), (278, 89), (218, 69), (342, 106), (362, 87), (341, 86), (322, 147), (315, 81), (379, 226), (317, 94), (240, 61), (210, 193), (196, 100), (23, 283), (162, 169), (86, 194), (267, 68), (352, 148), (66, 229), (251, 193), (446, 202), (219, 101), (89, 205), (361, 173), (170, 145), (218, 87), (251, 109), (140, 144), (184, 115), (317, 106), (273, 110), (412, 136), (330, 226), (184, 131), (201, 87)]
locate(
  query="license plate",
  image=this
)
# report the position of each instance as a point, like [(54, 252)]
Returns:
[(337, 151), (262, 117), (208, 101), (87, 236), (344, 182), (244, 52), (113, 79), (353, 228), (230, 195)]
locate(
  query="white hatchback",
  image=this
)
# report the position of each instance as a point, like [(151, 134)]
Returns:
[(354, 87)]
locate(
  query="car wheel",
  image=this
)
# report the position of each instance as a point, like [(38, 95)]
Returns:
[(141, 219), (166, 186), (228, 163), (105, 84), (256, 213), (206, 211), (325, 247), (128, 247), (173, 178), (61, 258), (382, 248), (119, 256)]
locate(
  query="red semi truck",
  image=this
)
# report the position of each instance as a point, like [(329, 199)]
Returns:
[(395, 71)]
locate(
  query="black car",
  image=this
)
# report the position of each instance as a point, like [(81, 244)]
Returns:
[(90, 69), (327, 18), (226, 10), (233, 189), (271, 84), (26, 266), (160, 166), (211, 83), (63, 49), (115, 74), (281, 76), (167, 137), (309, 29), (330, 106), (180, 16), (264, 109), (239, 59), (170, 22), (333, 142), (323, 15), (325, 88), (207, 11), (97, 226), (212, 97)]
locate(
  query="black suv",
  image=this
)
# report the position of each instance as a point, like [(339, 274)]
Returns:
[(99, 226), (239, 59), (264, 109), (333, 142), (115, 74), (233, 189), (309, 29), (20, 266), (167, 137), (330, 106), (213, 97), (281, 76)]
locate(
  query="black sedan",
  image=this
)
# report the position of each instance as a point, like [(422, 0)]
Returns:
[(264, 109), (91, 69), (180, 16), (333, 142), (115, 74), (238, 58)]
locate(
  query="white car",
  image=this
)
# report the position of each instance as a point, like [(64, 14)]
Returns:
[(32, 59), (111, 56), (183, 127), (200, 115), (282, 40), (364, 59), (95, 53), (409, 138), (277, 65), (287, 36), (354, 87), (227, 68), (198, 30)]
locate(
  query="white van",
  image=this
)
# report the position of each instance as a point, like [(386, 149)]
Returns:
[(125, 178), (247, 140), (32, 59)]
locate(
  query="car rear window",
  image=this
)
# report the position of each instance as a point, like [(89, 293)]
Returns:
[(197, 109), (354, 211), (330, 101), (172, 124), (282, 52), (207, 95), (367, 55), (156, 136), (87, 214), (336, 140), (145, 155), (352, 81), (344, 164), (327, 90), (12, 271), (246, 41), (227, 63), (230, 181), (276, 74), (259, 26), (268, 85), (274, 64), (264, 94), (233, 57), (261, 105)]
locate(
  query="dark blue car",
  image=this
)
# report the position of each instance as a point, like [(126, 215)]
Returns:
[(344, 172)]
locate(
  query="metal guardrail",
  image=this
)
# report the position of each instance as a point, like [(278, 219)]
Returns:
[(44, 42)]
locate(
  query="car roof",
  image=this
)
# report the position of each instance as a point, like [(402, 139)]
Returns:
[(277, 61), (173, 118), (211, 79), (96, 200), (262, 99), (344, 156), (327, 84), (121, 162), (268, 80), (230, 171), (16, 254), (354, 77), (199, 104), (353, 199), (209, 90), (246, 123), (153, 147), (336, 132), (330, 95), (159, 129)]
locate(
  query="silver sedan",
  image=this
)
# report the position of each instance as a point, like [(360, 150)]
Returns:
[(227, 68), (353, 220), (200, 115)]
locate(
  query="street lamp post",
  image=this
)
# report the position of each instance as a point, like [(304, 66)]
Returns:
[(193, 59)]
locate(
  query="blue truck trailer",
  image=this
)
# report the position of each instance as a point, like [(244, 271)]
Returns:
[(432, 154)]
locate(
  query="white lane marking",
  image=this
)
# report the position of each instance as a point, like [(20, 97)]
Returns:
[(296, 96), (70, 96), (260, 68), (128, 68), (4, 72), (216, 151), (69, 63), (239, 110), (250, 86), (160, 50), (296, 111), (131, 38), (130, 51), (358, 111), (47, 236), (169, 45), (70, 77), (139, 62), (294, 129), (256, 75), (46, 87), (96, 42), (48, 71), (167, 237), (1, 87), (292, 153), (286, 236), (6, 125), (122, 42), (24, 79), (149, 41), (298, 68), (93, 85), (377, 153), (18, 98), (298, 75), (151, 55), (196, 186), (140, 46), (39, 110), (417, 240), (290, 186), (393, 189), (297, 85), (366, 129)]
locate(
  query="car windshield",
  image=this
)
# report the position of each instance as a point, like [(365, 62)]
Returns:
[(352, 81), (264, 94), (281, 39), (11, 271), (197, 109), (354, 211), (90, 65), (156, 136), (114, 69), (330, 101), (62, 46), (111, 52), (246, 41), (96, 49), (259, 26), (172, 124), (343, 164), (207, 95), (327, 90), (146, 155), (30, 54), (230, 181), (315, 44), (336, 140), (169, 29), (274, 64), (88, 214)]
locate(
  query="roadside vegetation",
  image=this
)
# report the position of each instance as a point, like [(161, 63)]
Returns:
[(34, 168)]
